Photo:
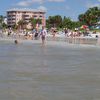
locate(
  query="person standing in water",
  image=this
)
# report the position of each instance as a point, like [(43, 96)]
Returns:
[(43, 34), (16, 41)]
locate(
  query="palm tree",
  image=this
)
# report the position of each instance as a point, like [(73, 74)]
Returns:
[(22, 24), (34, 22), (1, 20)]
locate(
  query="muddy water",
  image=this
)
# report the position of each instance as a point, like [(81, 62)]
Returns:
[(55, 72)]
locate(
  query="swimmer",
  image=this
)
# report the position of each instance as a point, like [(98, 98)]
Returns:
[(16, 41)]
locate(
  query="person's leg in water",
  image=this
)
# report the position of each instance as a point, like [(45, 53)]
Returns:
[(36, 36), (16, 41), (54, 33), (43, 40)]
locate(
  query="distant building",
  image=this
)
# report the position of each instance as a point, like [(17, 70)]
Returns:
[(15, 15)]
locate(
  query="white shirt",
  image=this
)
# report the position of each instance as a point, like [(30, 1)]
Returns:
[(44, 32)]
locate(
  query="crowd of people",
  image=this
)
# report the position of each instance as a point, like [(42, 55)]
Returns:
[(37, 34)]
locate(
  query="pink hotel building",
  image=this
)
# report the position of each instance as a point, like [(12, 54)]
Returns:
[(15, 15)]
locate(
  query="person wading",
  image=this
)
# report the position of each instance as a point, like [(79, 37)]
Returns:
[(43, 34)]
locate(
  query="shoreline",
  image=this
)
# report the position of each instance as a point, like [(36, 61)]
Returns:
[(49, 42), (58, 38)]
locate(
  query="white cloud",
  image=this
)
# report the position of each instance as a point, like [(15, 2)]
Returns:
[(38, 1), (67, 7), (42, 8), (90, 5), (99, 0), (93, 5), (24, 3), (61, 8), (30, 2), (56, 0)]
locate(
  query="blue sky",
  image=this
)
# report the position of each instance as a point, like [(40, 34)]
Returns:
[(68, 8)]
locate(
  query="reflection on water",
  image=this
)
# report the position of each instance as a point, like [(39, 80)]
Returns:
[(31, 72)]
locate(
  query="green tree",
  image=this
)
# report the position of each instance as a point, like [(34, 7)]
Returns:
[(1, 19), (54, 21), (90, 17), (59, 22), (2, 23), (22, 24), (15, 26), (34, 21), (66, 23)]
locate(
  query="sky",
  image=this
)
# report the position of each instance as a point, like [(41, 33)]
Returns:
[(68, 8)]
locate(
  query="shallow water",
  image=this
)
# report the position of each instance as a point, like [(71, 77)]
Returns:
[(55, 72)]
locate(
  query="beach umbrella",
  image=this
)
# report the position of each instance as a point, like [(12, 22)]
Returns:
[(84, 26)]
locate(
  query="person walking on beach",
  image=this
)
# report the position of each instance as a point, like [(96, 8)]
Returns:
[(36, 34), (43, 34), (66, 32)]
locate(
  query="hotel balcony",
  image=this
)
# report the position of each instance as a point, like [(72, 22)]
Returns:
[(11, 13)]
